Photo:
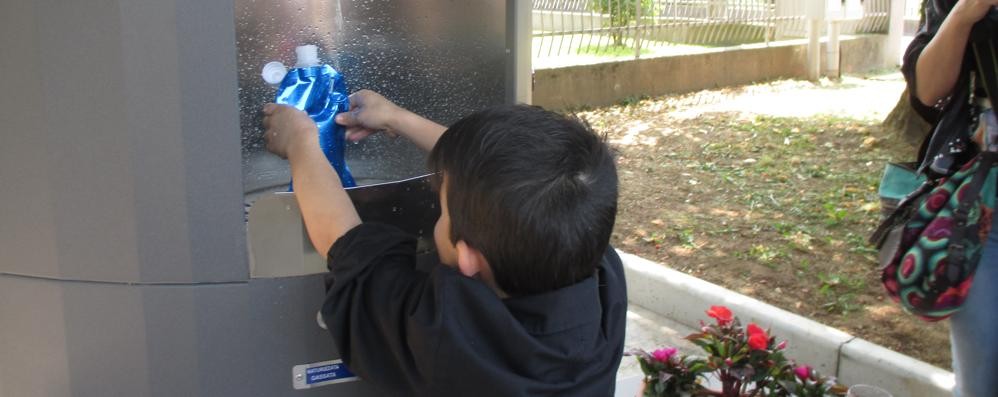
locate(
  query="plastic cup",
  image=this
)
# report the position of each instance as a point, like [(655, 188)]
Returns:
[(867, 391)]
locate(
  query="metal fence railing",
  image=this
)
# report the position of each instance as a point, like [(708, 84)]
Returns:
[(638, 27)]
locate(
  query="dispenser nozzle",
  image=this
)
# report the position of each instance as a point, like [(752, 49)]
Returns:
[(308, 56)]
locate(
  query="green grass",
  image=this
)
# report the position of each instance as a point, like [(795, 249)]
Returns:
[(838, 292), (686, 238), (610, 50), (766, 255)]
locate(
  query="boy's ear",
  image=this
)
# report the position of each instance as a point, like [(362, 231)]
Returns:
[(470, 261)]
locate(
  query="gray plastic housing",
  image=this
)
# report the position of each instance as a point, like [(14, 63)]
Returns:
[(121, 152)]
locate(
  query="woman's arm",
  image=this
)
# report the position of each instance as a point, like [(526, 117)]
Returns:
[(938, 67)]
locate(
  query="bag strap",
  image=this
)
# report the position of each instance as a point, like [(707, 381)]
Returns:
[(901, 214), (957, 249), (984, 54)]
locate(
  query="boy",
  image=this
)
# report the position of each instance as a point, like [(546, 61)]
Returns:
[(530, 299)]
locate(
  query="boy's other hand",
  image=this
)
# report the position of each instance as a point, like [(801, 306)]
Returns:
[(287, 129), (369, 113)]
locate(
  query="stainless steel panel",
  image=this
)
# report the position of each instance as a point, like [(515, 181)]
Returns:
[(439, 58)]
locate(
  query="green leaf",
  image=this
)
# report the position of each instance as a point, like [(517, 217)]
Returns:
[(645, 367)]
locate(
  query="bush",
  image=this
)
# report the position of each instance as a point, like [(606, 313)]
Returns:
[(622, 13)]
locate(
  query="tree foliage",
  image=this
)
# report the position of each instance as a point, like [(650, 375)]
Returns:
[(622, 13)]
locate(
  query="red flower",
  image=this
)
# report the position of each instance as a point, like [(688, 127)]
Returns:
[(757, 338), (721, 313), (758, 342)]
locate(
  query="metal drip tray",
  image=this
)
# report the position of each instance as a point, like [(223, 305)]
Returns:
[(279, 244)]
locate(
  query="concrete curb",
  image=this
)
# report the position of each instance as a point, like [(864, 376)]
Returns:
[(852, 360)]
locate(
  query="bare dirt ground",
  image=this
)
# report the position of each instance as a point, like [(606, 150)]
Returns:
[(769, 190)]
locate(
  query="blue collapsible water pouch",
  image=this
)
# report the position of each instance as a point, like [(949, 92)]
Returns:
[(320, 91)]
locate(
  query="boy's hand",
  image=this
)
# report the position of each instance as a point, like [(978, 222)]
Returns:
[(287, 129), (369, 113)]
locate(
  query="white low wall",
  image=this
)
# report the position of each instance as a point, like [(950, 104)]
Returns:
[(608, 83)]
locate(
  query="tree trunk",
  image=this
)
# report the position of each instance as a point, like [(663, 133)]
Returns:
[(904, 123)]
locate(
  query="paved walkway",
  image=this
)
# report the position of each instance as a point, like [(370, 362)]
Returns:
[(649, 331)]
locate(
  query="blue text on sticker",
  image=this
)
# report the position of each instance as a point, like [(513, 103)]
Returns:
[(327, 373)]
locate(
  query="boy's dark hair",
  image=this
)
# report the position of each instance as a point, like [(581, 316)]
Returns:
[(534, 191)]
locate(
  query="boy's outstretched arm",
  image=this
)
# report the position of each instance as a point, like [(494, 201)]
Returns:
[(325, 207), (371, 112)]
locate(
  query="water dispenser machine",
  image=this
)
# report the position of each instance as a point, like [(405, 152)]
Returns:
[(148, 242)]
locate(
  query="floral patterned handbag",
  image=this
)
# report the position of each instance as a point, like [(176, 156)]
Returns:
[(931, 244)]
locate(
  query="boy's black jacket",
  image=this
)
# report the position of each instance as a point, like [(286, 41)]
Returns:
[(438, 333)]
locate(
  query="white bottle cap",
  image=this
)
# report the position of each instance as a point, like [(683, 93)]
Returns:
[(274, 72), (308, 56)]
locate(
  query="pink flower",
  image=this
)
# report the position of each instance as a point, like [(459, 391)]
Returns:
[(757, 338), (803, 372), (721, 313), (782, 345), (663, 355)]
